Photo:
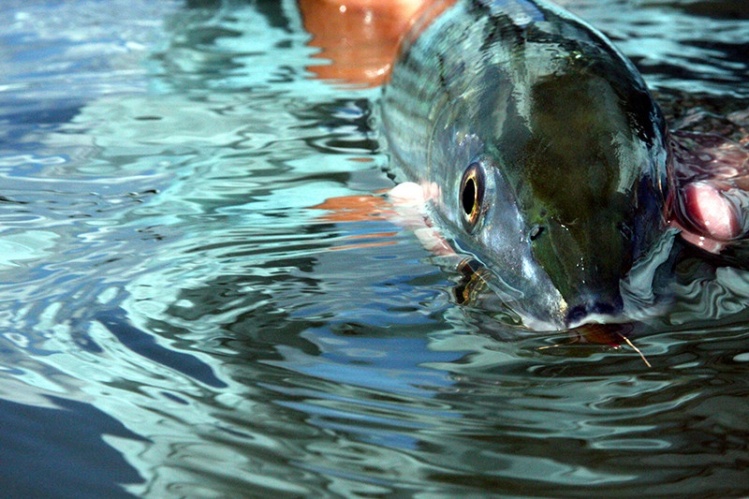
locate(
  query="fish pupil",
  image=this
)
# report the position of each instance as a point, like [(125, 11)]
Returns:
[(469, 196), (472, 194)]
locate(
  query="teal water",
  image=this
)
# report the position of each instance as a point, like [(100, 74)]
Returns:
[(178, 318)]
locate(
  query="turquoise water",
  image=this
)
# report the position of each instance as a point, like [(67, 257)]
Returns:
[(178, 318)]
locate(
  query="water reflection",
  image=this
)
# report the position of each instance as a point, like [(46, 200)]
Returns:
[(175, 278)]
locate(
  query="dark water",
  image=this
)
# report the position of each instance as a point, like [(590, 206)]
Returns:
[(178, 320)]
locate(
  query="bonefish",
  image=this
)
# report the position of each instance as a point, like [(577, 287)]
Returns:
[(543, 152)]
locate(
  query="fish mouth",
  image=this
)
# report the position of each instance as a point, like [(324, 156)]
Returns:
[(480, 288), (596, 310)]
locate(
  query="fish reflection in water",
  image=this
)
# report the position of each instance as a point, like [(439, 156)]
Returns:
[(542, 154)]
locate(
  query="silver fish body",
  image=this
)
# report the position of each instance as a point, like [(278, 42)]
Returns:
[(543, 152)]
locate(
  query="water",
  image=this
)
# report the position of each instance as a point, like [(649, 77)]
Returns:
[(180, 317)]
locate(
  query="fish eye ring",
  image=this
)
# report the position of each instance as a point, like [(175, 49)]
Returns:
[(472, 187)]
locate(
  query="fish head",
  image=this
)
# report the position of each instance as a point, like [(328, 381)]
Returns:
[(589, 179), (559, 189)]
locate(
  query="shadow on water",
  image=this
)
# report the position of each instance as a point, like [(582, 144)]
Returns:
[(52, 452), (144, 344), (720, 9)]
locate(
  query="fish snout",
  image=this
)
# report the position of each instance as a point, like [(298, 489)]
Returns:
[(595, 308)]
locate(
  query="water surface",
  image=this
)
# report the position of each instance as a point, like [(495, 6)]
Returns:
[(180, 317)]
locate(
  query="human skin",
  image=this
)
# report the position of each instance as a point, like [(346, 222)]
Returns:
[(358, 39)]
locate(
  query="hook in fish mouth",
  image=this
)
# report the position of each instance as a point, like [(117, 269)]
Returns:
[(612, 335)]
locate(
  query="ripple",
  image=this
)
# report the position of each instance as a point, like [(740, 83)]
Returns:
[(197, 266)]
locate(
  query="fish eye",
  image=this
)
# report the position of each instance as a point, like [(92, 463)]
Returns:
[(472, 187)]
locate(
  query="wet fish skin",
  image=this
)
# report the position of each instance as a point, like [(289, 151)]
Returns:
[(570, 143)]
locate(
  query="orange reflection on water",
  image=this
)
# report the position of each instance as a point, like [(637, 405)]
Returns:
[(359, 39), (358, 208)]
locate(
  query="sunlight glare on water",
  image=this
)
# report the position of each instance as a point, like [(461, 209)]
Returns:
[(204, 295)]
